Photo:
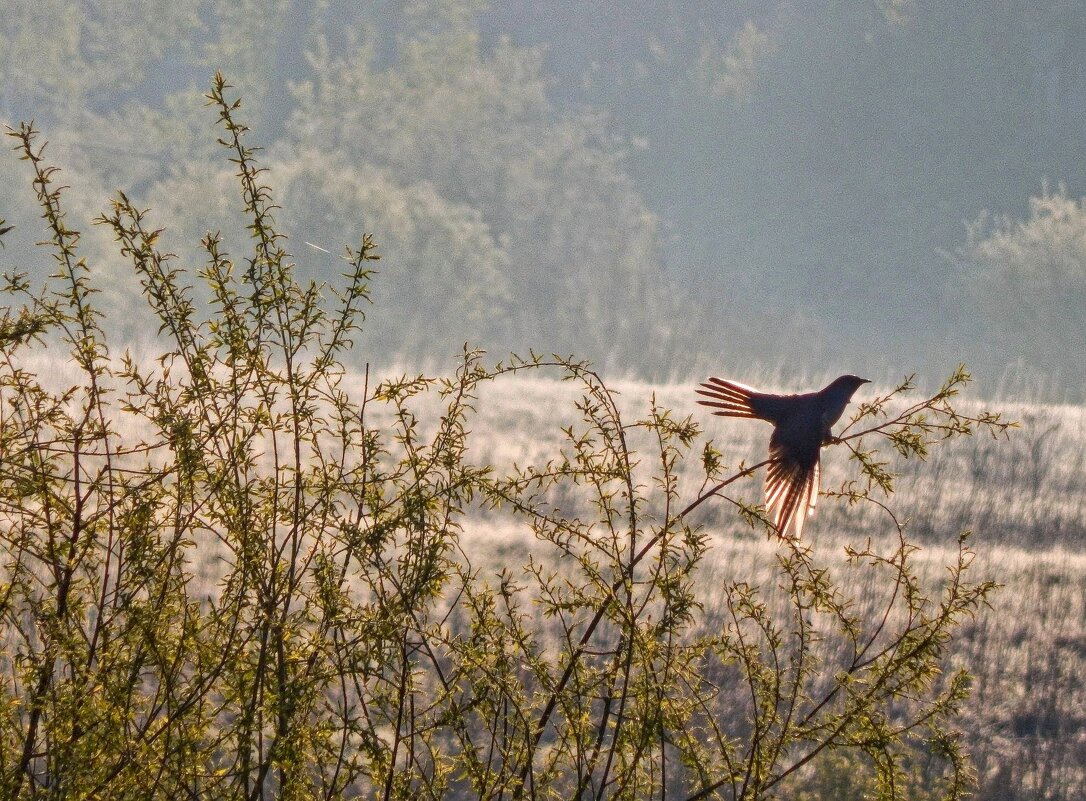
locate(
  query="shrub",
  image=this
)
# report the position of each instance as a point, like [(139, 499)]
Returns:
[(237, 570)]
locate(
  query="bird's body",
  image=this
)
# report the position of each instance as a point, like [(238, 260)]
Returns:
[(801, 426)]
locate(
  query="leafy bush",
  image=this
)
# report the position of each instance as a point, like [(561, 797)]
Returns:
[(237, 570)]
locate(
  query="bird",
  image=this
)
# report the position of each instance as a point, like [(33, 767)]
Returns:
[(801, 427)]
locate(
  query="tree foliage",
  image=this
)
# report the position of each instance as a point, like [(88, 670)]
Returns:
[(544, 191), (508, 219), (1040, 263), (804, 165), (233, 572)]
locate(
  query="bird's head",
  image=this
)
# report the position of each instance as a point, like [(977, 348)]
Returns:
[(848, 384)]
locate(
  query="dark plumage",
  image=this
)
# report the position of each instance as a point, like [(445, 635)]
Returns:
[(801, 426)]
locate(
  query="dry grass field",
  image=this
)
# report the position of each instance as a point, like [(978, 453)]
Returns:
[(1024, 499)]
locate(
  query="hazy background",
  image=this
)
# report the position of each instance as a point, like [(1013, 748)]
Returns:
[(863, 186)]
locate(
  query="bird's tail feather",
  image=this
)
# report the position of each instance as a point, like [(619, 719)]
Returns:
[(728, 398), (791, 492)]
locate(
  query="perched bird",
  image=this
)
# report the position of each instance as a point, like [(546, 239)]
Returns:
[(801, 426)]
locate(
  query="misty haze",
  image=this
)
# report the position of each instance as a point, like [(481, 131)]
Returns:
[(864, 185)]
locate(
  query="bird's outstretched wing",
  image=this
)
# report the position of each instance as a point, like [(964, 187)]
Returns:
[(791, 490)]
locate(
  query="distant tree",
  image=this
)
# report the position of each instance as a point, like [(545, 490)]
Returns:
[(473, 127), (526, 225), (824, 153), (1028, 281), (446, 277), (66, 59), (800, 163)]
